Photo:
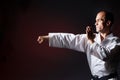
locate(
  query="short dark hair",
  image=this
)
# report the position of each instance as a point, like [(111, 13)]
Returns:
[(108, 16)]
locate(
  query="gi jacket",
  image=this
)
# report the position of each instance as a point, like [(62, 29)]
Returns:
[(101, 55)]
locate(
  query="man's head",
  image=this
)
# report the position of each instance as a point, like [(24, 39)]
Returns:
[(104, 21)]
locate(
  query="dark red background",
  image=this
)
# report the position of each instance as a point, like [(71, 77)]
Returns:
[(22, 21)]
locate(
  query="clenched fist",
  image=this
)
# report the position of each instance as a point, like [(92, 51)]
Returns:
[(41, 39)]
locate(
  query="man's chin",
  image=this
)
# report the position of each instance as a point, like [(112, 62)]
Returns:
[(97, 31)]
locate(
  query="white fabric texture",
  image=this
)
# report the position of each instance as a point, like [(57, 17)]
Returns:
[(97, 53)]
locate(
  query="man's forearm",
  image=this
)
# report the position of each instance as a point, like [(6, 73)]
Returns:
[(45, 37)]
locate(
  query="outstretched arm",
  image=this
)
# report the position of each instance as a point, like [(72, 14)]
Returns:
[(89, 32), (42, 38)]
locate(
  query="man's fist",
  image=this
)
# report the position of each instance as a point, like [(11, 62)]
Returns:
[(40, 39), (90, 34)]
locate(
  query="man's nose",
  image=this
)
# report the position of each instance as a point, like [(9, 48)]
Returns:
[(95, 23)]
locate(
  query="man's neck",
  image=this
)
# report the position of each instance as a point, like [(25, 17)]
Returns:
[(103, 35)]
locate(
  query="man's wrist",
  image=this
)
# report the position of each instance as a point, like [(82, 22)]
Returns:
[(45, 37)]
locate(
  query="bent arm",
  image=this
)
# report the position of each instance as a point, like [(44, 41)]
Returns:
[(106, 51)]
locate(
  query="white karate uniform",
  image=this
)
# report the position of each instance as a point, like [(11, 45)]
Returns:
[(97, 53)]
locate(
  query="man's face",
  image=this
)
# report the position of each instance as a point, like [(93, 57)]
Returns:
[(100, 22)]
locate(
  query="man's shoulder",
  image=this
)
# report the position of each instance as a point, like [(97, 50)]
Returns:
[(115, 38)]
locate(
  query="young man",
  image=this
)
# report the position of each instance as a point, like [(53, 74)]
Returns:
[(101, 48)]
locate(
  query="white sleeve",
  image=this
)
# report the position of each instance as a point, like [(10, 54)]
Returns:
[(68, 40), (99, 51), (104, 52)]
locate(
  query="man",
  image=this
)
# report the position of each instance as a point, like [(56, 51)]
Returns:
[(101, 48)]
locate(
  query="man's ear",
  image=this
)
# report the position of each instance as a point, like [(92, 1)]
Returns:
[(108, 23)]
